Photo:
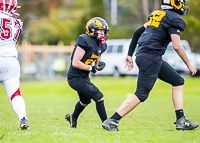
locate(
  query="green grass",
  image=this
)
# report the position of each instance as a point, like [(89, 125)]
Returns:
[(47, 103)]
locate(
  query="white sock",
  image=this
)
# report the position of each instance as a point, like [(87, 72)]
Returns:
[(19, 107)]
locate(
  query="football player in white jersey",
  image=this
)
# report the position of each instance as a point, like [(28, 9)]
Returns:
[(10, 29)]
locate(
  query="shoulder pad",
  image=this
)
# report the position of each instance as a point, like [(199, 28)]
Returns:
[(81, 41), (176, 20), (85, 41)]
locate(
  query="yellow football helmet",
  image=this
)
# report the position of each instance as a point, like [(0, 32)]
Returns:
[(94, 24)]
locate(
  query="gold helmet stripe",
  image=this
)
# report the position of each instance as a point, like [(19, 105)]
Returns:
[(96, 22), (174, 5)]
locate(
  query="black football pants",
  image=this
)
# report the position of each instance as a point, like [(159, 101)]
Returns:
[(149, 71), (85, 89)]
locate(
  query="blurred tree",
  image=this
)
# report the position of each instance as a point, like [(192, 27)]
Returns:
[(192, 30), (131, 15), (64, 23), (51, 21), (95, 9), (61, 24), (34, 10), (149, 5)]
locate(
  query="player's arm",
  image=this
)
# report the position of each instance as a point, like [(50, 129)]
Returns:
[(97, 61), (181, 52), (100, 64), (136, 36), (78, 55), (132, 46), (20, 23)]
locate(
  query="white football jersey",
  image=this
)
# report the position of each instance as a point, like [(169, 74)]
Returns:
[(9, 33)]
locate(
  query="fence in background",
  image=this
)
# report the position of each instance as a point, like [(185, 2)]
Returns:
[(29, 52), (44, 62)]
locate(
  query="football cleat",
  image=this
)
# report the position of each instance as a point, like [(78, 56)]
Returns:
[(184, 124), (110, 125), (72, 122), (24, 125)]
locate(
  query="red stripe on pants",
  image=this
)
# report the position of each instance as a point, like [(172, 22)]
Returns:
[(17, 93)]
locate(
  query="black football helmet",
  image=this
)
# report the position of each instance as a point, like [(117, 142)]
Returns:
[(177, 5), (94, 24)]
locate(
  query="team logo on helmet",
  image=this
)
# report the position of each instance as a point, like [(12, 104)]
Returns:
[(176, 5), (95, 24), (9, 7)]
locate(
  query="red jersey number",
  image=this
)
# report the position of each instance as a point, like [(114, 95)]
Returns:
[(18, 31), (6, 31)]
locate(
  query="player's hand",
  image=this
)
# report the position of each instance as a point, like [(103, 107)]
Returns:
[(129, 63), (192, 69), (94, 69), (101, 66)]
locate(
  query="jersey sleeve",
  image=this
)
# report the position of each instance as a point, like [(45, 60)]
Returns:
[(178, 23), (173, 30), (81, 42), (134, 40)]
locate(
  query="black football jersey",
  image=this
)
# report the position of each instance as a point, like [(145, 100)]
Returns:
[(156, 37), (93, 49)]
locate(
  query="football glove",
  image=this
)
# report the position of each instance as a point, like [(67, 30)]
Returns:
[(94, 69), (101, 65)]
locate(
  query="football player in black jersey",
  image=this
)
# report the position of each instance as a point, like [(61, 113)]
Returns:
[(163, 26), (88, 50)]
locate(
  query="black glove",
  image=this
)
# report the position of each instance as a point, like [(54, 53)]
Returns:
[(101, 65), (94, 69)]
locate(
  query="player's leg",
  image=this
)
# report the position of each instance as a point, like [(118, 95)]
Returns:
[(73, 117), (148, 72), (90, 91), (11, 84), (86, 91), (101, 110), (169, 75), (13, 92), (77, 85)]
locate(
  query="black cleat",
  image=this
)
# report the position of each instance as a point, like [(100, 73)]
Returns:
[(24, 125), (73, 122), (184, 124), (110, 125)]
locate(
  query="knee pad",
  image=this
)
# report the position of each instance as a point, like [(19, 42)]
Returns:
[(142, 96), (178, 82), (97, 96), (85, 100)]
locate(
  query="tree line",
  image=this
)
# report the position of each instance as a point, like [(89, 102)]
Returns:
[(50, 21)]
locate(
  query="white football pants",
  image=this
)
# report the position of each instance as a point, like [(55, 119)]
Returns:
[(10, 77)]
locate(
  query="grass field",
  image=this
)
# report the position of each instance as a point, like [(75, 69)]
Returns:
[(47, 103)]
